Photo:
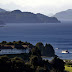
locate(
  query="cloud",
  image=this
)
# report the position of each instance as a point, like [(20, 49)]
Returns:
[(37, 6), (37, 2), (10, 6)]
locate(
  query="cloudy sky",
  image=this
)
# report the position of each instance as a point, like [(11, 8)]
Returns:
[(37, 6)]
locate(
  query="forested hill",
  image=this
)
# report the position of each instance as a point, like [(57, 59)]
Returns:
[(17, 16)]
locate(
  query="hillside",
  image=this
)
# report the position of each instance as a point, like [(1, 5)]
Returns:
[(64, 15), (47, 19), (17, 16)]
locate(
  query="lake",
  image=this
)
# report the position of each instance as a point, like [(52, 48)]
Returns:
[(57, 34)]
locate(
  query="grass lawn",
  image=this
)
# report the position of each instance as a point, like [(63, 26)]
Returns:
[(68, 68)]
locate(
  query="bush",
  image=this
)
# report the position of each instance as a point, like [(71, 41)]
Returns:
[(58, 64), (68, 63)]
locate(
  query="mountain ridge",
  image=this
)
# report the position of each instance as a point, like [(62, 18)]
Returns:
[(2, 10), (16, 16), (64, 15)]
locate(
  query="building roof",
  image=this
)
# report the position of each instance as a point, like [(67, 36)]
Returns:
[(5, 47), (13, 46)]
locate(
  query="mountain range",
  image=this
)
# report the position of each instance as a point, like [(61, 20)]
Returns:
[(2, 10), (64, 15), (17, 16)]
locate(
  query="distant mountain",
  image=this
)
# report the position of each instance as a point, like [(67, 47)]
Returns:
[(17, 16), (64, 15), (2, 10), (47, 19)]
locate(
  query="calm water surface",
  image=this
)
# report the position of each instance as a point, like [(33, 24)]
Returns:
[(59, 35)]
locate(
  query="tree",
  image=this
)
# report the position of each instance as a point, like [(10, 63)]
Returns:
[(57, 64), (35, 51), (18, 64), (35, 60), (18, 46), (46, 50), (20, 42), (9, 43), (3, 42), (49, 51), (40, 46), (5, 64)]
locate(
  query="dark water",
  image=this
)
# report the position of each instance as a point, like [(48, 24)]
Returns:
[(59, 35)]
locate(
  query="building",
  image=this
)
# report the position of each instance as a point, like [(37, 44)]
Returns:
[(7, 49)]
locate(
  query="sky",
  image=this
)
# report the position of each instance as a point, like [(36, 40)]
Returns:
[(47, 7)]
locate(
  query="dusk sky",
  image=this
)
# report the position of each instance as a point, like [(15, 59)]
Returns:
[(37, 6)]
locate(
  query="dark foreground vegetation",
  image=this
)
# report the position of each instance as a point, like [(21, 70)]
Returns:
[(33, 64)]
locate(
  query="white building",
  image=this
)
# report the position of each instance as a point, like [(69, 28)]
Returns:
[(14, 51), (10, 49)]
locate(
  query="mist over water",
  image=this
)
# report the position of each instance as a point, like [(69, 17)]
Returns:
[(57, 34)]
